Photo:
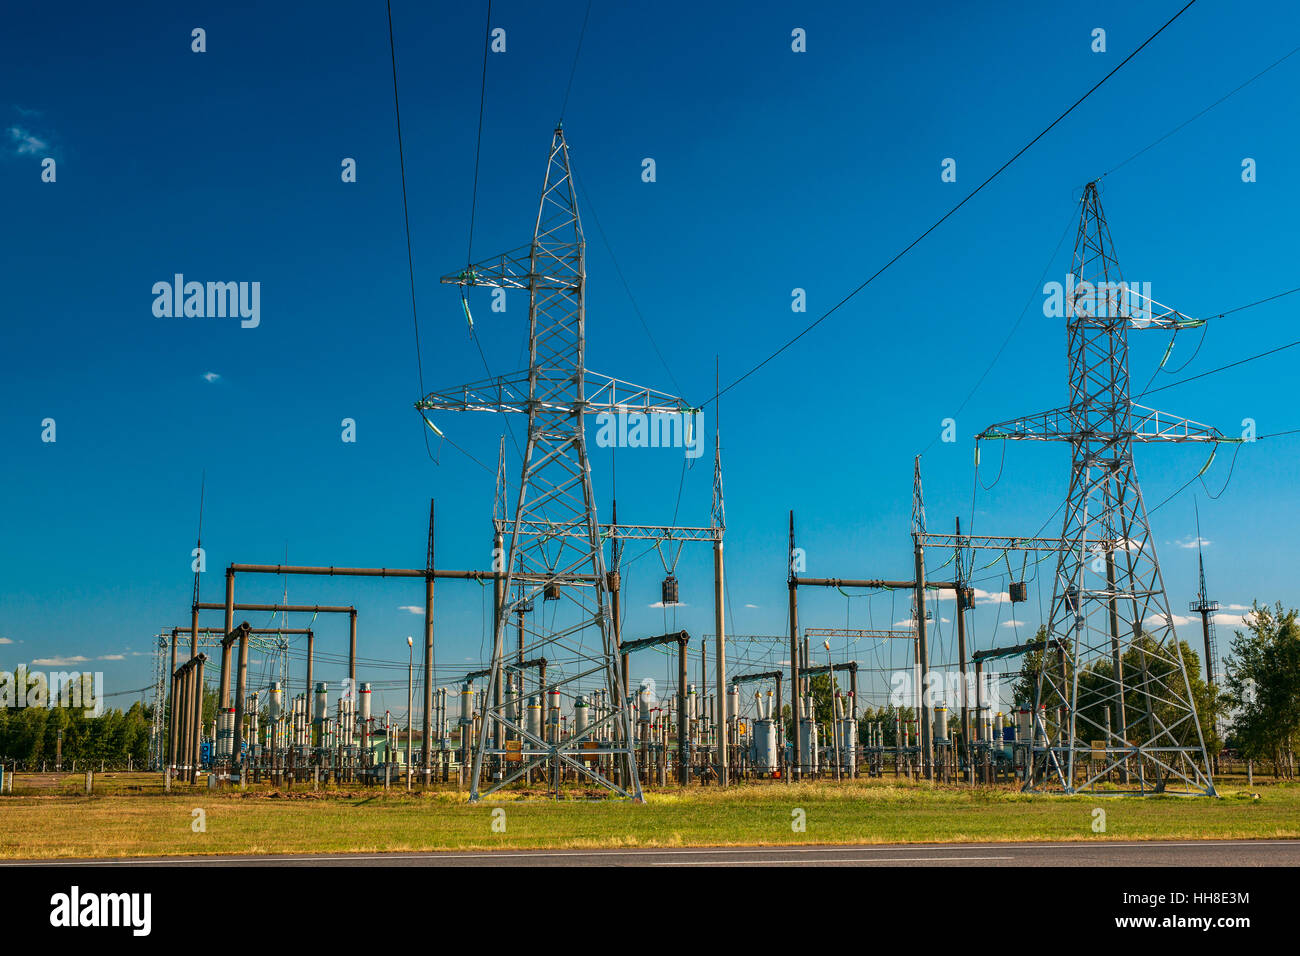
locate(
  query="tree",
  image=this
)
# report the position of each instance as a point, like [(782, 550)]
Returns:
[(1263, 687)]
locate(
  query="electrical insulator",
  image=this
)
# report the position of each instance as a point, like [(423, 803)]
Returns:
[(965, 599), (669, 590), (1019, 592), (551, 592), (611, 580)]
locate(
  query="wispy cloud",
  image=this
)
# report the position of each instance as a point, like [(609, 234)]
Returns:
[(411, 608), (59, 661), (1192, 542), (662, 604), (1013, 623), (5, 640), (211, 377), (754, 606), (24, 142), (111, 657)]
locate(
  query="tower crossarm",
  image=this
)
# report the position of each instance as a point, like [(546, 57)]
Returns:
[(1150, 424), (509, 393), (1053, 425), (1142, 424), (1103, 304), (516, 269)]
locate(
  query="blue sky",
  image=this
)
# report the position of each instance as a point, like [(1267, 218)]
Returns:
[(775, 170)]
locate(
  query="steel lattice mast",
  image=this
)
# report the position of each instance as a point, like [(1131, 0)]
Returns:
[(1112, 669), (553, 536)]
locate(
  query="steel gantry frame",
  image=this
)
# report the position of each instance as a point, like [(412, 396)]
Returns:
[(1109, 597)]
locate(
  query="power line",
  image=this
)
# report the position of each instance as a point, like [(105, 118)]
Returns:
[(833, 309), (574, 69), (406, 219), (1200, 114), (1223, 368)]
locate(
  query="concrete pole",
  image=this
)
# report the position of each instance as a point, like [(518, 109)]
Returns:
[(180, 711), (196, 692), (923, 658), (311, 654), (352, 648), (778, 726), (616, 609), (236, 750), (410, 703), (426, 746), (961, 661), (796, 756), (223, 699), (683, 744), (498, 611), (720, 650), (194, 632), (171, 721)]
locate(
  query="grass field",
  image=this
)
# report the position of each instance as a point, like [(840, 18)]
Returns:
[(866, 811)]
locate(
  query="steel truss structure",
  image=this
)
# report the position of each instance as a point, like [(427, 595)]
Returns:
[(207, 637), (1114, 681), (553, 532)]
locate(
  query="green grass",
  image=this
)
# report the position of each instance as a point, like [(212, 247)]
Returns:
[(857, 812)]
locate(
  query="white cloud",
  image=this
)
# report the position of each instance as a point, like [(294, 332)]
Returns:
[(662, 604), (1192, 542), (25, 143), (412, 608), (1233, 620), (5, 640), (59, 661), (755, 606), (112, 657), (211, 377), (1013, 623), (981, 596), (1157, 620)]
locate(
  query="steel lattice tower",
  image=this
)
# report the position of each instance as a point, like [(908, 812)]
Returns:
[(1112, 670), (1206, 607), (553, 550)]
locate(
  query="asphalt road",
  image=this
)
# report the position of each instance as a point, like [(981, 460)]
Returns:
[(1195, 854)]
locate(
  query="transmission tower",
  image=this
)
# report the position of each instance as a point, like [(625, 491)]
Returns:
[(1112, 671), (554, 558)]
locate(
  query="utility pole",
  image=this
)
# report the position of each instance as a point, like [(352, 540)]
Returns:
[(410, 698), (922, 640), (719, 605), (796, 693), (962, 604)]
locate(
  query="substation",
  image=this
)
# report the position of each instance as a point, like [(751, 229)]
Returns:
[(553, 709)]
